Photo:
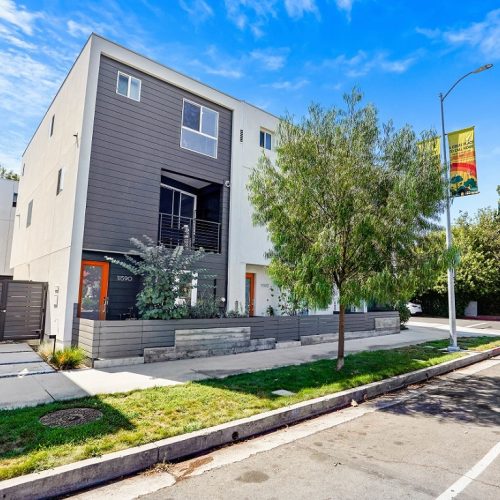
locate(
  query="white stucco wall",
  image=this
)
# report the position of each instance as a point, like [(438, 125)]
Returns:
[(7, 215), (42, 251), (247, 243)]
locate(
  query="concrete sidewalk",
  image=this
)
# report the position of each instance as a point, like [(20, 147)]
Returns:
[(36, 389)]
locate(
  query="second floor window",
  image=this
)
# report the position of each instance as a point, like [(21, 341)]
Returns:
[(200, 127), (266, 140), (128, 86)]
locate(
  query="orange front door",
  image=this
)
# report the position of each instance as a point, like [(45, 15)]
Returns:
[(93, 295), (250, 293)]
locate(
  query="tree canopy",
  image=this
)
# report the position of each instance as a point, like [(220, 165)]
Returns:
[(8, 174), (347, 203), (477, 274)]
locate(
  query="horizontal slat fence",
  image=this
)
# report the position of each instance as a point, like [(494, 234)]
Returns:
[(129, 338)]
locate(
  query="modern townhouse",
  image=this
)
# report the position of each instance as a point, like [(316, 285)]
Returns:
[(129, 147)]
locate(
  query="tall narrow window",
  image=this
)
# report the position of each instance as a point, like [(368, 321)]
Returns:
[(128, 86), (14, 199), (30, 212), (200, 129), (24, 165), (266, 141), (52, 125), (60, 181)]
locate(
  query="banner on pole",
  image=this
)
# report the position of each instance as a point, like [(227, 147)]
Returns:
[(434, 145), (463, 173)]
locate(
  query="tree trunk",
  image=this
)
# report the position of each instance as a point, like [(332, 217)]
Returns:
[(340, 349)]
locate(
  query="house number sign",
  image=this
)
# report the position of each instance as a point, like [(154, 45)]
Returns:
[(122, 277)]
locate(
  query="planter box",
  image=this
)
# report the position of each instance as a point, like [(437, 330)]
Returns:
[(175, 339)]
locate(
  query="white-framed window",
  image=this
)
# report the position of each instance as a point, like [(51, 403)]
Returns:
[(266, 140), (200, 128), (128, 86), (30, 213), (60, 181)]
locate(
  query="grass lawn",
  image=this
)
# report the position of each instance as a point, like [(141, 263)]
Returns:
[(144, 416)]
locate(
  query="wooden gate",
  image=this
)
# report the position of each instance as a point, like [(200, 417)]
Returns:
[(22, 309)]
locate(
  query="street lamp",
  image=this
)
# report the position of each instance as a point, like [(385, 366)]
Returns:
[(451, 272)]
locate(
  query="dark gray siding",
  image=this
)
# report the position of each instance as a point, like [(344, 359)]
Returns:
[(132, 142)]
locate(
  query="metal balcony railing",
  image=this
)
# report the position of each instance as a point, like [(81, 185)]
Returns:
[(192, 233)]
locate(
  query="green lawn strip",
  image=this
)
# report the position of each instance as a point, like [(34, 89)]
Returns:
[(479, 344), (148, 415)]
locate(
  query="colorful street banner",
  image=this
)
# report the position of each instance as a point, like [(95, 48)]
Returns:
[(463, 174), (433, 144)]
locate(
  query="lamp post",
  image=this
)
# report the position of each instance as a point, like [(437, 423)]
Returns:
[(451, 272)]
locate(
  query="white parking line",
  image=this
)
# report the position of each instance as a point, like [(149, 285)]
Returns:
[(476, 324), (458, 486)]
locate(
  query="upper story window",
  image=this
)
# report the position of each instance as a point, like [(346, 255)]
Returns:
[(128, 86), (60, 181), (52, 122), (30, 213), (14, 199), (266, 140), (200, 129)]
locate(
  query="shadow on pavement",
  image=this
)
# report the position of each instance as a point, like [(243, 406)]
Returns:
[(468, 400)]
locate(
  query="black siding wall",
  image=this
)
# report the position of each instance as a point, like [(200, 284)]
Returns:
[(132, 142)]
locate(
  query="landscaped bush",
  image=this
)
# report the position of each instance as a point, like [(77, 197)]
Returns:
[(63, 359), (404, 313)]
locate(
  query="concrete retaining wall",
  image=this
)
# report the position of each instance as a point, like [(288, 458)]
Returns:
[(133, 338)]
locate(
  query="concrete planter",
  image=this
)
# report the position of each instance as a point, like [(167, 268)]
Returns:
[(159, 340)]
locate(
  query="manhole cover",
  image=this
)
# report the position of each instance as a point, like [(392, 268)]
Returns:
[(70, 417)]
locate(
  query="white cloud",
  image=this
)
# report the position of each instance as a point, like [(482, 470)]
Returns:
[(297, 8), (288, 84), (270, 60), (345, 6), (218, 64), (428, 33), (483, 36), (198, 10), (78, 29), (13, 39), (254, 14), (18, 16), (363, 63)]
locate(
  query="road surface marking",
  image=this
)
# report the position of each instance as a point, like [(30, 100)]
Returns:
[(460, 485), (477, 324)]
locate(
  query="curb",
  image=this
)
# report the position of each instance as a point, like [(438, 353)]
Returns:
[(90, 472)]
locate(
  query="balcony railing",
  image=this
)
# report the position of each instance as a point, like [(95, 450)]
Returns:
[(191, 233)]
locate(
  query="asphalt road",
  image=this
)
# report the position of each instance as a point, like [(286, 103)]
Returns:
[(417, 448)]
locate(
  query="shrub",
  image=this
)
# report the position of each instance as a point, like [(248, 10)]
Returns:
[(166, 277), (205, 308), (63, 359), (404, 313)]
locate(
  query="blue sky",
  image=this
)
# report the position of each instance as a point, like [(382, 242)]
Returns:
[(277, 54)]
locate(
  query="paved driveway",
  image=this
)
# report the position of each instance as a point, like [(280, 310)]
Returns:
[(19, 360)]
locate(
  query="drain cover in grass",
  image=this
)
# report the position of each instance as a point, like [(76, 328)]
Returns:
[(70, 417), (283, 392)]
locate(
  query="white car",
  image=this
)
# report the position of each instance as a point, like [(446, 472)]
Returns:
[(414, 308)]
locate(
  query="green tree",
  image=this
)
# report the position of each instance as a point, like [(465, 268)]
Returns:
[(167, 275), (477, 273), (8, 174), (347, 203)]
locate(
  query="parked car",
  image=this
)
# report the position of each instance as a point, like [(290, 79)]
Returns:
[(414, 308)]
